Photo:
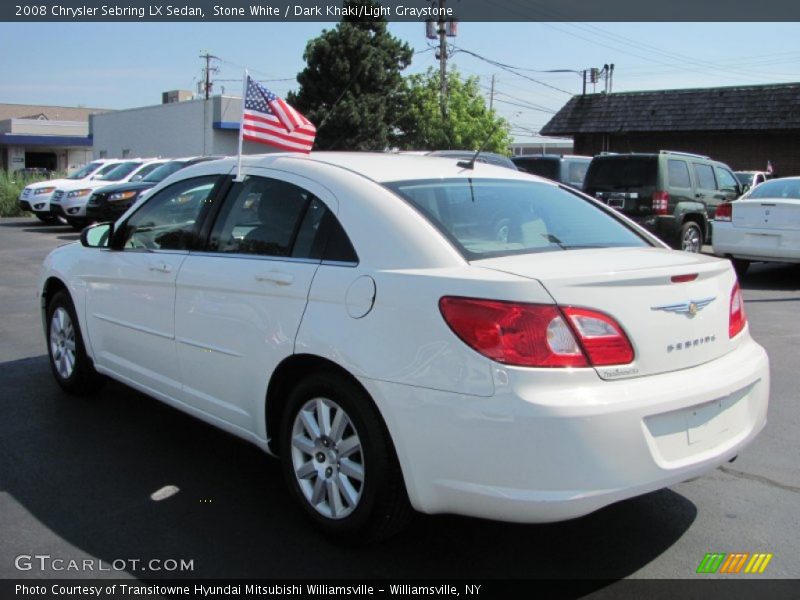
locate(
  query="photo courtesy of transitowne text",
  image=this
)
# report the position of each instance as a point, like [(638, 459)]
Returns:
[(399, 299)]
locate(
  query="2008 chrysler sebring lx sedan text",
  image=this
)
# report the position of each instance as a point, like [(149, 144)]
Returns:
[(407, 331)]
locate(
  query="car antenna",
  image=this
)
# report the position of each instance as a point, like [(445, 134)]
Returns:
[(470, 164)]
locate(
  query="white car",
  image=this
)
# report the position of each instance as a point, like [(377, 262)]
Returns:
[(762, 226), (407, 331), (68, 202), (36, 197)]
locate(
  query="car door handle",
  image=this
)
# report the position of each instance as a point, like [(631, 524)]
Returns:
[(276, 277), (160, 267)]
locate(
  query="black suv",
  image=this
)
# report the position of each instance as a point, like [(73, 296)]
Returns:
[(569, 170), (672, 194), (110, 203)]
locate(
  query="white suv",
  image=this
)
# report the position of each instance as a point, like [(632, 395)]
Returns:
[(69, 200), (36, 197)]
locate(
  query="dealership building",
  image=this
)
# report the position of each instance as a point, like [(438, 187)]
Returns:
[(179, 126), (45, 137)]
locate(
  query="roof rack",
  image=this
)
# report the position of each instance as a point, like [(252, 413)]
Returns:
[(684, 154)]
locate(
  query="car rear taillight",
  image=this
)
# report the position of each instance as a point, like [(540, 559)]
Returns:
[(738, 318), (536, 335), (660, 203), (724, 212)]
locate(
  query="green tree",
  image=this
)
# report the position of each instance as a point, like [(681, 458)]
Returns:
[(352, 83), (468, 122)]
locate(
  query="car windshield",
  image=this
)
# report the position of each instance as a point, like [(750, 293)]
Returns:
[(622, 172), (145, 170), (487, 218), (745, 178), (119, 172), (777, 188), (85, 171), (164, 170)]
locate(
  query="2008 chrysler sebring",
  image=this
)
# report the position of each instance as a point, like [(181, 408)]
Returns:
[(407, 331)]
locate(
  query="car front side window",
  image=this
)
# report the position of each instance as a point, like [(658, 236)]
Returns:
[(168, 220)]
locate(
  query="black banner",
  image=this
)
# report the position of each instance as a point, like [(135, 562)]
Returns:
[(402, 10), (700, 588)]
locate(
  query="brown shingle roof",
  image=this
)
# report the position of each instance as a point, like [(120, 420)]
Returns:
[(52, 113), (757, 107)]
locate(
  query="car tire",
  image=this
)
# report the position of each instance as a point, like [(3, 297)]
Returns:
[(691, 237), (347, 479), (740, 266), (71, 366)]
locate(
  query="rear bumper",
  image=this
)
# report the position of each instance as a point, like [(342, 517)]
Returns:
[(778, 245), (553, 446)]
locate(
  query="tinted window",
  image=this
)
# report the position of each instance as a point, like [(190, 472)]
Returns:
[(168, 220), (744, 178), (777, 188), (536, 166), (494, 217), (260, 216), (678, 174), (726, 179), (576, 172), (624, 172), (705, 177)]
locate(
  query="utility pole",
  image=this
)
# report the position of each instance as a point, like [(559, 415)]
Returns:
[(491, 95), (443, 59), (207, 72)]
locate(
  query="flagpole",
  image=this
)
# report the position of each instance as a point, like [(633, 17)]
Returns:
[(241, 128)]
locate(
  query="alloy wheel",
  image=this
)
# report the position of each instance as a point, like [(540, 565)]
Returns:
[(62, 342), (327, 458)]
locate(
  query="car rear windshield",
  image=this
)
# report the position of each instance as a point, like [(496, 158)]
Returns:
[(164, 171), (622, 172), (486, 218), (777, 188), (537, 166)]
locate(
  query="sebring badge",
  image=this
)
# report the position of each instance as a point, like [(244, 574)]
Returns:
[(689, 309)]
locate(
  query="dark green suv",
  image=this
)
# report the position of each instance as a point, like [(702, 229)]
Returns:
[(672, 194)]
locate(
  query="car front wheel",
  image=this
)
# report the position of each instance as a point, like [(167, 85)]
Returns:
[(691, 237), (339, 462), (69, 362)]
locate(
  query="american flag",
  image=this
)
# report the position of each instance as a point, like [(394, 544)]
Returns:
[(267, 119)]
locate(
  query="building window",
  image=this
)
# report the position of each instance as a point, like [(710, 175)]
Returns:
[(126, 153), (103, 154)]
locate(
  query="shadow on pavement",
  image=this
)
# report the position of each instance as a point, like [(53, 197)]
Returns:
[(85, 470), (772, 276)]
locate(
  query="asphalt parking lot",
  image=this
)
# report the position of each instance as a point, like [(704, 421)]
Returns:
[(76, 478)]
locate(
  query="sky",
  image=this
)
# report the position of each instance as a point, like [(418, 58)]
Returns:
[(125, 65)]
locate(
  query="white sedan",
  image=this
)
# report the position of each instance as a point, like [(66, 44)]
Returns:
[(414, 332), (762, 226)]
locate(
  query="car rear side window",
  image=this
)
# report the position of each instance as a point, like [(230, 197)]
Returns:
[(705, 177), (260, 216), (678, 174), (485, 218)]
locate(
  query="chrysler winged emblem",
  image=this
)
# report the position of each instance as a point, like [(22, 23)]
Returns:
[(689, 309)]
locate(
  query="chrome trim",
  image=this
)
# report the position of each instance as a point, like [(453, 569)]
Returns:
[(690, 308), (207, 348)]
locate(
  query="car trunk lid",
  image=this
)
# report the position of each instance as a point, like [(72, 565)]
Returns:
[(673, 306), (767, 213)]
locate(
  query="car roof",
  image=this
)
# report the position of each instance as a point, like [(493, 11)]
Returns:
[(378, 166)]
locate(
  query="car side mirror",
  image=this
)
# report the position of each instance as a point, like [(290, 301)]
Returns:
[(97, 236)]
